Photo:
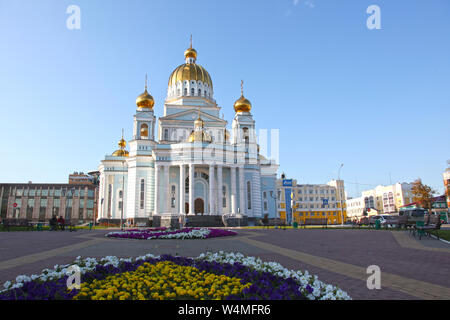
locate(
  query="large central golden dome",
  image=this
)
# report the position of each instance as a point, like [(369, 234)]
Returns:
[(190, 70)]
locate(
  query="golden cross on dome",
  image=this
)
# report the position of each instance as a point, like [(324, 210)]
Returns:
[(242, 87), (191, 43), (146, 81)]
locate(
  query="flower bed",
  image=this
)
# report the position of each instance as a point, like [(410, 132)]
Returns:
[(185, 233), (209, 276)]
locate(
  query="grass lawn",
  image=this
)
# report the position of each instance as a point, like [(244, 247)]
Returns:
[(443, 234)]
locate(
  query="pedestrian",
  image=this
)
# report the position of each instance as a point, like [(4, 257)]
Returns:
[(61, 223), (53, 224)]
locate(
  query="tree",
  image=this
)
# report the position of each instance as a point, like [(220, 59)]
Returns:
[(422, 194)]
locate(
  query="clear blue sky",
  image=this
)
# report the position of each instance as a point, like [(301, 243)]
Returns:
[(376, 100)]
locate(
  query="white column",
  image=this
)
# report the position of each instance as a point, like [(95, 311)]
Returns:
[(233, 190), (182, 189), (191, 189), (219, 189), (156, 188), (166, 189), (242, 188), (211, 189)]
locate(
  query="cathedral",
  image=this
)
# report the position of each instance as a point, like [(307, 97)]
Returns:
[(186, 164)]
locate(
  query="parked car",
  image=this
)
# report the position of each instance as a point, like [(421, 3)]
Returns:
[(372, 219), (389, 221)]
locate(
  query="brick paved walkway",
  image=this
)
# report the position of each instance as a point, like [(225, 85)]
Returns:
[(411, 269)]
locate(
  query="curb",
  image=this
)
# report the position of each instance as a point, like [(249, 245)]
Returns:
[(433, 236)]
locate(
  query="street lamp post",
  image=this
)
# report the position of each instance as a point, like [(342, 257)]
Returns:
[(340, 195)]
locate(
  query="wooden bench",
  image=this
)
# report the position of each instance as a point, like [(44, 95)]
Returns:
[(315, 222), (70, 225), (8, 223), (431, 223)]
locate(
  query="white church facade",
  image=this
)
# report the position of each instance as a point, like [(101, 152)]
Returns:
[(186, 163)]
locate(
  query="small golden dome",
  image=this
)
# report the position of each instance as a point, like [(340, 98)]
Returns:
[(122, 143), (242, 105), (145, 100), (190, 53), (120, 153)]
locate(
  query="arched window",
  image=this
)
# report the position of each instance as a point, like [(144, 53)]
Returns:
[(144, 130), (199, 92), (142, 195), (192, 91), (245, 134), (249, 195), (179, 92), (185, 91)]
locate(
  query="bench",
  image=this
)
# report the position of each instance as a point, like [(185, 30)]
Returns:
[(315, 222), (430, 224), (8, 223), (70, 225)]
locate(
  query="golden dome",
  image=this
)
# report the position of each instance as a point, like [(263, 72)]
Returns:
[(242, 104), (122, 143), (145, 100), (190, 53), (190, 71), (121, 152)]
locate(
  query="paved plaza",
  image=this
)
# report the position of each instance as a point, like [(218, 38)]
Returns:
[(410, 269)]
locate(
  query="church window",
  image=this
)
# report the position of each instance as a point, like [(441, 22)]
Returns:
[(199, 92), (265, 206), (224, 196), (144, 130), (192, 91), (166, 134), (142, 194), (185, 91), (179, 92), (249, 195)]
